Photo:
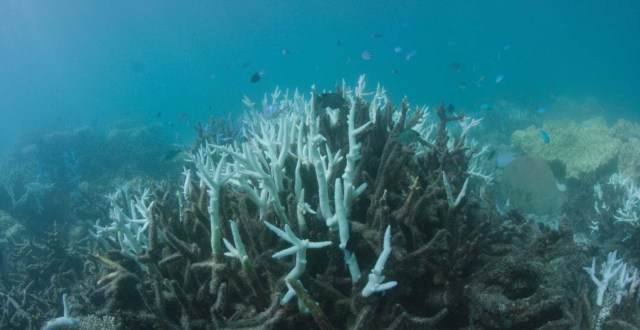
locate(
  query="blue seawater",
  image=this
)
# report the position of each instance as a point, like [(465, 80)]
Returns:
[(67, 63)]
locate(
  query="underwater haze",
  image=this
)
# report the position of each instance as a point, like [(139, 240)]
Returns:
[(71, 63), (361, 165)]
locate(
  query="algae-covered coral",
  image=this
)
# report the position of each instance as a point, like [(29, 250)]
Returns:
[(581, 148)]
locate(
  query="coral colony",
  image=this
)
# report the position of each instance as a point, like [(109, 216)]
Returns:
[(333, 210), (328, 185)]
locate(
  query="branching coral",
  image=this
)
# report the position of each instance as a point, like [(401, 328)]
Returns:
[(360, 177)]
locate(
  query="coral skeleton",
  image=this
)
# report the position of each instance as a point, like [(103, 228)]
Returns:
[(130, 213), (608, 270), (299, 248), (375, 277), (63, 322)]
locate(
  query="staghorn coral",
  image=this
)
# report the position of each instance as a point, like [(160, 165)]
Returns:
[(289, 171)]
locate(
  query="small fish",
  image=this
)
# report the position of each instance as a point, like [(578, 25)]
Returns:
[(159, 114), (366, 55), (285, 52), (457, 66), (377, 35), (411, 55), (504, 158), (257, 76), (462, 85), (395, 72), (451, 108), (485, 107), (331, 100), (245, 65), (222, 139), (408, 136), (506, 47), (271, 111), (541, 110), (545, 136), (499, 79), (339, 42), (352, 243), (175, 153), (397, 49)]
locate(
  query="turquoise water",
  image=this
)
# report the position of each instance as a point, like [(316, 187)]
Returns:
[(68, 63), (107, 197)]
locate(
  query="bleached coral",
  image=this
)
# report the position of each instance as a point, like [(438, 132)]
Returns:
[(130, 215)]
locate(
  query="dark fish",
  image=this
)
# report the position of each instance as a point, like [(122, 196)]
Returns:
[(331, 100), (377, 35), (339, 42), (409, 136), (352, 243), (457, 66), (451, 108), (545, 136), (395, 72), (245, 65), (257, 76), (158, 114), (174, 153)]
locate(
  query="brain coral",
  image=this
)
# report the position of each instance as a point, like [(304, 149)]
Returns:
[(581, 147)]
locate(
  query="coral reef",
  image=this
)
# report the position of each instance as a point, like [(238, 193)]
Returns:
[(334, 211), (52, 176)]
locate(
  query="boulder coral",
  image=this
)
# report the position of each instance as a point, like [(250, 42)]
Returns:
[(581, 148)]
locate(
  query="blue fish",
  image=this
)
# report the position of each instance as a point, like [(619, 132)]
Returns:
[(271, 110), (541, 110), (545, 136), (485, 107), (411, 55)]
